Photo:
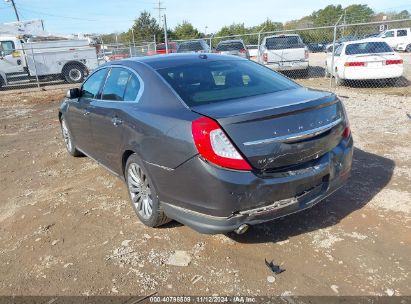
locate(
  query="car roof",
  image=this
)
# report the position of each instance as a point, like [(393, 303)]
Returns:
[(371, 39), (178, 59), (282, 35), (231, 41), (191, 41)]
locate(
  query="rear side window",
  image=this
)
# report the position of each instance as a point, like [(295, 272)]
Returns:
[(367, 48), (401, 33), (217, 81), (93, 84), (229, 46), (284, 42), (116, 84), (132, 89)]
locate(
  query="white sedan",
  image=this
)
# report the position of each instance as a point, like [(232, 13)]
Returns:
[(367, 59)]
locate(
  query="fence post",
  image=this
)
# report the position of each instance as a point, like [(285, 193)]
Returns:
[(333, 52), (35, 66), (259, 42)]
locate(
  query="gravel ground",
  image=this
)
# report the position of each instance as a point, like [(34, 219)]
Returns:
[(67, 228)]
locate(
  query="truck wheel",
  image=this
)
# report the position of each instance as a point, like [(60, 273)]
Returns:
[(73, 73)]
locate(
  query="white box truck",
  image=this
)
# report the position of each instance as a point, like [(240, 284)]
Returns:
[(24, 59)]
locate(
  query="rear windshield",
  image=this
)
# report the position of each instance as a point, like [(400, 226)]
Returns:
[(190, 46), (367, 48), (284, 42), (230, 46), (162, 46), (217, 81)]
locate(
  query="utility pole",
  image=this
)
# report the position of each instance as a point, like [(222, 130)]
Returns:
[(159, 8), (165, 33), (15, 9)]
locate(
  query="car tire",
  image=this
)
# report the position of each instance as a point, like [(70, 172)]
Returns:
[(408, 48), (338, 80), (142, 194), (74, 73), (68, 140), (305, 72)]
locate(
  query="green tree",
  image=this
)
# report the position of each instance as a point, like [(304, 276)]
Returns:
[(185, 30), (145, 27), (358, 13), (327, 16)]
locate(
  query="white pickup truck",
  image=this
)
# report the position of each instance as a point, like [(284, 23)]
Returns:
[(285, 53), (23, 60)]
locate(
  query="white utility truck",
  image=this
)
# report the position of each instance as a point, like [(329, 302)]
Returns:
[(25, 57)]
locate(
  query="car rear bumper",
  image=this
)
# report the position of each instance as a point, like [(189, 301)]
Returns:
[(365, 73), (215, 200), (288, 65)]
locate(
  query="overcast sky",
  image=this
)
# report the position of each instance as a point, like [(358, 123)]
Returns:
[(106, 16)]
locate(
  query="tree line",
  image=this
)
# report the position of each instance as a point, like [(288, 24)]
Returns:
[(146, 28)]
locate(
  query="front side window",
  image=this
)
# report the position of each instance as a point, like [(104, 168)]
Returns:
[(7, 47), (217, 81), (93, 84), (401, 33), (389, 34)]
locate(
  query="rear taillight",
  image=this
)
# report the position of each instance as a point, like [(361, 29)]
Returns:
[(243, 51), (346, 133), (354, 64), (393, 61), (214, 145), (265, 58)]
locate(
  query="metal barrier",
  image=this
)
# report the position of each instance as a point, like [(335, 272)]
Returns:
[(327, 57)]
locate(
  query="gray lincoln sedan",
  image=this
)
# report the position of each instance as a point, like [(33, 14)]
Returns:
[(215, 142)]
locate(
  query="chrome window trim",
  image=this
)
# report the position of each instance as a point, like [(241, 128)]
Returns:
[(140, 92), (296, 136)]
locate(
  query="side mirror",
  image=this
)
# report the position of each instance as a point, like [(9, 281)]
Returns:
[(73, 93)]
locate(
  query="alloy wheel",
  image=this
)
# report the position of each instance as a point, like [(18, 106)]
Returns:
[(140, 191), (66, 135)]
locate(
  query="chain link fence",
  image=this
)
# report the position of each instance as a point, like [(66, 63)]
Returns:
[(329, 57)]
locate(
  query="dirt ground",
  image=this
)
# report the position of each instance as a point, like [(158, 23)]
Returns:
[(67, 228)]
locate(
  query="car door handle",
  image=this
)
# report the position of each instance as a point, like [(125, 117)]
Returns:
[(86, 113), (116, 121)]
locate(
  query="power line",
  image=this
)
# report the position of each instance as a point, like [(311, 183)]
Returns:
[(15, 9), (159, 8)]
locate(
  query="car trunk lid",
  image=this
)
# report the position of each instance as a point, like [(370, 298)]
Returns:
[(280, 129)]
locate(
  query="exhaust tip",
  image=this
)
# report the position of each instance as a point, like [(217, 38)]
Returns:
[(242, 229)]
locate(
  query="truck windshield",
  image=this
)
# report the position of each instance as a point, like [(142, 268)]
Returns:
[(217, 81), (284, 42), (368, 48)]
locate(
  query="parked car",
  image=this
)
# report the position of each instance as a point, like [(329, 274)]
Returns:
[(316, 47), (253, 51), (215, 142), (285, 52), (329, 46), (161, 49), (398, 39), (193, 46), (232, 47), (364, 60)]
